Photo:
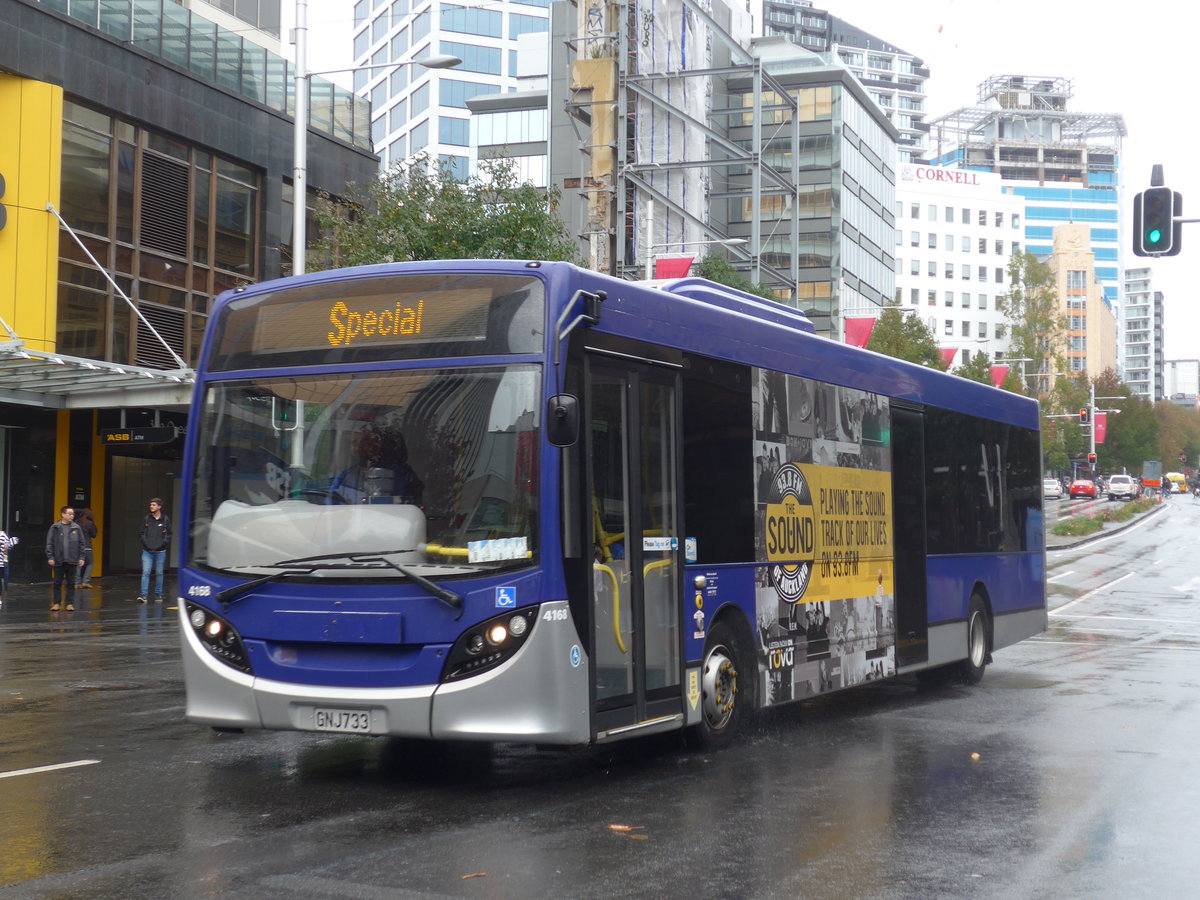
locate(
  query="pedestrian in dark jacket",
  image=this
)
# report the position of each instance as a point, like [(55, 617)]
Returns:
[(156, 541), (65, 543), (88, 523)]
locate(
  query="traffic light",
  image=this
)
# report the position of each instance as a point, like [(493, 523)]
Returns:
[(1085, 415), (1155, 232), (1183, 457), (1091, 459)]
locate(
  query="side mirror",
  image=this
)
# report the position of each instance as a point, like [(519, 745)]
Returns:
[(562, 420)]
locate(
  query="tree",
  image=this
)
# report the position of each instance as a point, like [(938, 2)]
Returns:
[(905, 337), (978, 368), (419, 212), (1037, 331), (719, 269), (1132, 434), (1179, 434)]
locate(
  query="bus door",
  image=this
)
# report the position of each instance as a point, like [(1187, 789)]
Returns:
[(632, 453), (908, 502)]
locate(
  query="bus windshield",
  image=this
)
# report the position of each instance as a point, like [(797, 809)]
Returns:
[(335, 474)]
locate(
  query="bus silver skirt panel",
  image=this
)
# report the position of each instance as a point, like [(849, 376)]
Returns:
[(539, 695), (948, 643)]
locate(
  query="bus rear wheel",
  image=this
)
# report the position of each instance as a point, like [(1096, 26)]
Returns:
[(723, 695), (970, 670)]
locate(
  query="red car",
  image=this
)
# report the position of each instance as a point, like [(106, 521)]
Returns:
[(1081, 487)]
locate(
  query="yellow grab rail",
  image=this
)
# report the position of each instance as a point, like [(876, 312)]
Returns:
[(616, 603)]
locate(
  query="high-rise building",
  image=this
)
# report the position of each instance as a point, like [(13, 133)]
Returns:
[(147, 160), (417, 110), (1064, 164), (894, 78), (1183, 382), (1091, 338), (1142, 366), (955, 234)]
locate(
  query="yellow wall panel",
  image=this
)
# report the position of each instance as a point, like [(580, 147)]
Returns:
[(31, 161)]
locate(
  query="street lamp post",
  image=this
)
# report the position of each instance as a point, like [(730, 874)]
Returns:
[(300, 132), (651, 256)]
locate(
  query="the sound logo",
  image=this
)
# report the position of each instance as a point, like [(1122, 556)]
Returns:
[(790, 532)]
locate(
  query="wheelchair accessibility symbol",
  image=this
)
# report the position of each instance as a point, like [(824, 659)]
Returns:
[(576, 656), (506, 598)]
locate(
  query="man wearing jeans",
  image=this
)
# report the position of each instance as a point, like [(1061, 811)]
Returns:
[(156, 541)]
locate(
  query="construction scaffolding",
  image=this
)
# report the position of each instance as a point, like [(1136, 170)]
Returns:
[(669, 150)]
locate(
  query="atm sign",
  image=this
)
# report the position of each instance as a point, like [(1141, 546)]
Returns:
[(128, 436)]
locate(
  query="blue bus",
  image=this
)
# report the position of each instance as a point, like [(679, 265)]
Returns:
[(522, 501)]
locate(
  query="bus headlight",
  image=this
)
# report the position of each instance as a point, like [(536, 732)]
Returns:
[(488, 644), (218, 637)]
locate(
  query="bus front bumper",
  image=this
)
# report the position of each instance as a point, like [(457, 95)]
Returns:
[(539, 695)]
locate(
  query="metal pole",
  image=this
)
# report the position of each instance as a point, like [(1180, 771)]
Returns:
[(300, 142)]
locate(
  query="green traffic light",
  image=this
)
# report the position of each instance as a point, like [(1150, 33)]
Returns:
[(1153, 236)]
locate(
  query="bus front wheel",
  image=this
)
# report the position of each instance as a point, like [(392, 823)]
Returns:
[(723, 693), (970, 670)]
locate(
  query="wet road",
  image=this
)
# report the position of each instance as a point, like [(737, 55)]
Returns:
[(1067, 773)]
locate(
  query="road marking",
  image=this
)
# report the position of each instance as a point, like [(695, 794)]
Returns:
[(1058, 611), (1188, 586), (39, 769), (1060, 575)]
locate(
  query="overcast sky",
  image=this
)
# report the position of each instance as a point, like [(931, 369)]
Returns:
[(1120, 57)]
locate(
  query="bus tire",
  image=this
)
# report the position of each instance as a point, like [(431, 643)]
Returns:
[(970, 670), (724, 691)]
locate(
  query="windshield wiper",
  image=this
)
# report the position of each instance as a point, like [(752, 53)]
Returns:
[(231, 594), (451, 599)]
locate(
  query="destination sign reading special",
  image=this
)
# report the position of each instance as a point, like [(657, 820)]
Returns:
[(379, 317)]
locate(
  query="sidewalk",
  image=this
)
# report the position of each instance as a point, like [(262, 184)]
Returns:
[(111, 591)]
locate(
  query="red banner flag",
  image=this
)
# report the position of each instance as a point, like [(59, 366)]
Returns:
[(673, 267), (999, 373), (858, 331), (948, 354), (1100, 423)]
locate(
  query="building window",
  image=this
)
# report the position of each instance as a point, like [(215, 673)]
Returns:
[(982, 330), (1076, 280), (999, 276), (931, 298), (914, 238), (914, 296), (454, 131), (965, 299), (966, 273), (999, 220), (982, 217), (486, 60), (1016, 220), (966, 216), (915, 267), (457, 93), (966, 244), (915, 211), (982, 248), (949, 213), (949, 273), (948, 328), (948, 298), (519, 25), (966, 329), (983, 273), (932, 241), (932, 213), (999, 247), (983, 301), (932, 269)]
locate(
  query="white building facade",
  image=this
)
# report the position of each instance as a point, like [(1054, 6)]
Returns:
[(1142, 336), (956, 231)]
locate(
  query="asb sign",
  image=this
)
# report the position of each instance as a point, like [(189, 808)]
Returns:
[(127, 436)]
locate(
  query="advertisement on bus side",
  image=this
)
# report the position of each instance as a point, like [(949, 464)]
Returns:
[(823, 537)]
